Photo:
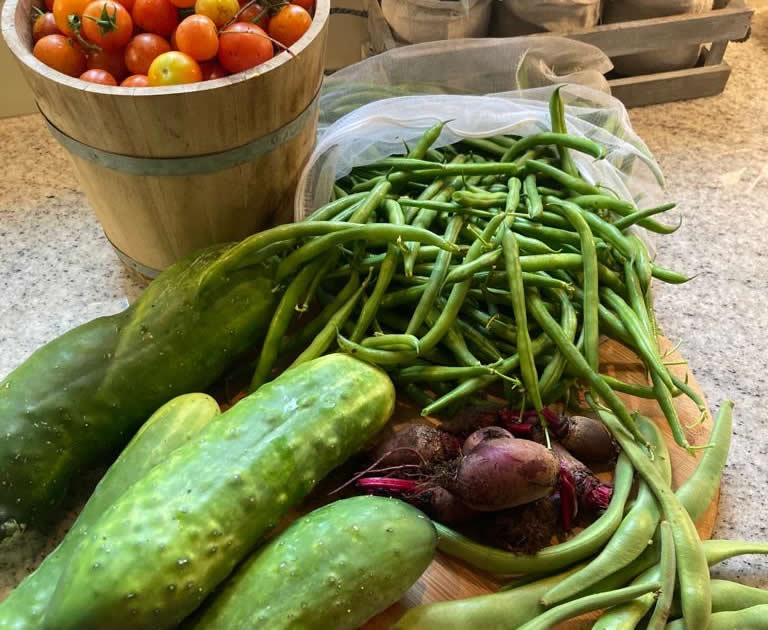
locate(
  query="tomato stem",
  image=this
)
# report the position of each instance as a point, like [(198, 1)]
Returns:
[(107, 23), (75, 23)]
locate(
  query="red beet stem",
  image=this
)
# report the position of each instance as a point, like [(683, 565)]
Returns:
[(599, 497), (520, 429), (568, 504), (387, 484)]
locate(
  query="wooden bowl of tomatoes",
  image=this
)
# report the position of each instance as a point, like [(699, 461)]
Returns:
[(188, 121)]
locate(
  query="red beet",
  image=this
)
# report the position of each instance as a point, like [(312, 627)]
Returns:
[(483, 435), (504, 473), (524, 529), (415, 444), (591, 493)]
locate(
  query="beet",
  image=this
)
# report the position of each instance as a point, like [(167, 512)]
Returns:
[(504, 473), (591, 493), (470, 418), (589, 440), (483, 435), (524, 529), (445, 507), (415, 444)]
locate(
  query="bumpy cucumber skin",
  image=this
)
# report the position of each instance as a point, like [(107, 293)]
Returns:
[(79, 399), (334, 568), (174, 424), (180, 530)]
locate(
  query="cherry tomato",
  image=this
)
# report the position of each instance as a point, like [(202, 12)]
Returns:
[(243, 45), (197, 36), (113, 61), (174, 43), (289, 24), (98, 76), (62, 9), (307, 5), (128, 4), (252, 12), (136, 80), (60, 53), (142, 50), (107, 24), (212, 70), (183, 4), (45, 24), (220, 11), (49, 5), (156, 16), (174, 68)]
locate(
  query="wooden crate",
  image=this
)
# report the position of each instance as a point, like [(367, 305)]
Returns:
[(729, 21)]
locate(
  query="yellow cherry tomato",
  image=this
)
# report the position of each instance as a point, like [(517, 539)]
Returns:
[(174, 68), (220, 11)]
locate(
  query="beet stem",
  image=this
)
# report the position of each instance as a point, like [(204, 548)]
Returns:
[(388, 484), (567, 498)]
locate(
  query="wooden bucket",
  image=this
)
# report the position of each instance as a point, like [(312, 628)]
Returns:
[(173, 169)]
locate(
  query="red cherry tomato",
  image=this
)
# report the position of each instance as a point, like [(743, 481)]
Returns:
[(307, 5), (49, 5), (60, 53), (62, 9), (243, 46), (183, 4), (128, 4), (198, 37), (252, 12), (136, 80), (142, 51), (289, 24), (156, 16), (112, 61), (212, 70), (98, 76), (45, 24), (107, 24), (174, 68)]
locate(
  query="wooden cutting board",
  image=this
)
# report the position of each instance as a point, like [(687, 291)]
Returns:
[(447, 579)]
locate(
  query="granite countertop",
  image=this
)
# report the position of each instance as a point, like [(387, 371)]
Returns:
[(57, 270)]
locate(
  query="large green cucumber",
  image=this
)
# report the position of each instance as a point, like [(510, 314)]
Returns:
[(79, 399), (175, 423), (332, 569), (155, 555)]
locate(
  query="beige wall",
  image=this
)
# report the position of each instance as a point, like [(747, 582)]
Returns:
[(15, 97)]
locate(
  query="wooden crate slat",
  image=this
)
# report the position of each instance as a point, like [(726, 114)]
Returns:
[(624, 38), (665, 87)]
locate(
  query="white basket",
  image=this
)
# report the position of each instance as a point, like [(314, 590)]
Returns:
[(416, 21)]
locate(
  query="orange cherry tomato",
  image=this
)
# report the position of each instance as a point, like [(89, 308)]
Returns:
[(142, 50), (174, 68), (62, 9), (307, 5), (252, 12), (220, 11), (212, 70), (113, 61), (60, 53), (198, 37), (156, 16), (107, 24), (243, 45), (45, 24), (98, 76), (289, 24), (136, 80)]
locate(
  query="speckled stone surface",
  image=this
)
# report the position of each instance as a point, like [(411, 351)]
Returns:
[(57, 270)]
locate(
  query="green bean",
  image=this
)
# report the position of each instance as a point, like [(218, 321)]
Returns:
[(428, 204), (727, 596), (281, 320), (372, 355), (472, 169), (407, 295), (327, 335), (469, 199), (330, 210), (377, 232), (545, 233), (582, 145), (388, 342), (501, 329), (557, 118), (436, 278), (551, 558), (514, 185), (417, 395), (532, 198), (625, 616), (691, 562), (637, 217), (668, 276), (402, 164), (484, 144), (752, 618), (632, 536), (476, 339), (552, 192), (371, 202), (386, 271), (604, 202), (367, 185), (660, 613), (609, 323), (455, 342), (587, 604), (339, 191), (465, 271), (569, 181), (441, 373), (633, 389), (554, 220), (433, 155), (472, 385), (517, 293), (553, 372), (590, 283)]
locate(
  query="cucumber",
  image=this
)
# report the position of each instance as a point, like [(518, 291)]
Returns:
[(175, 423), (334, 568), (155, 555)]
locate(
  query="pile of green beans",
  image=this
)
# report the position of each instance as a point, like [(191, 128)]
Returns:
[(494, 266)]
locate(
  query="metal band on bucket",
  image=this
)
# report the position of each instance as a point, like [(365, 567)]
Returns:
[(182, 166), (147, 272)]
